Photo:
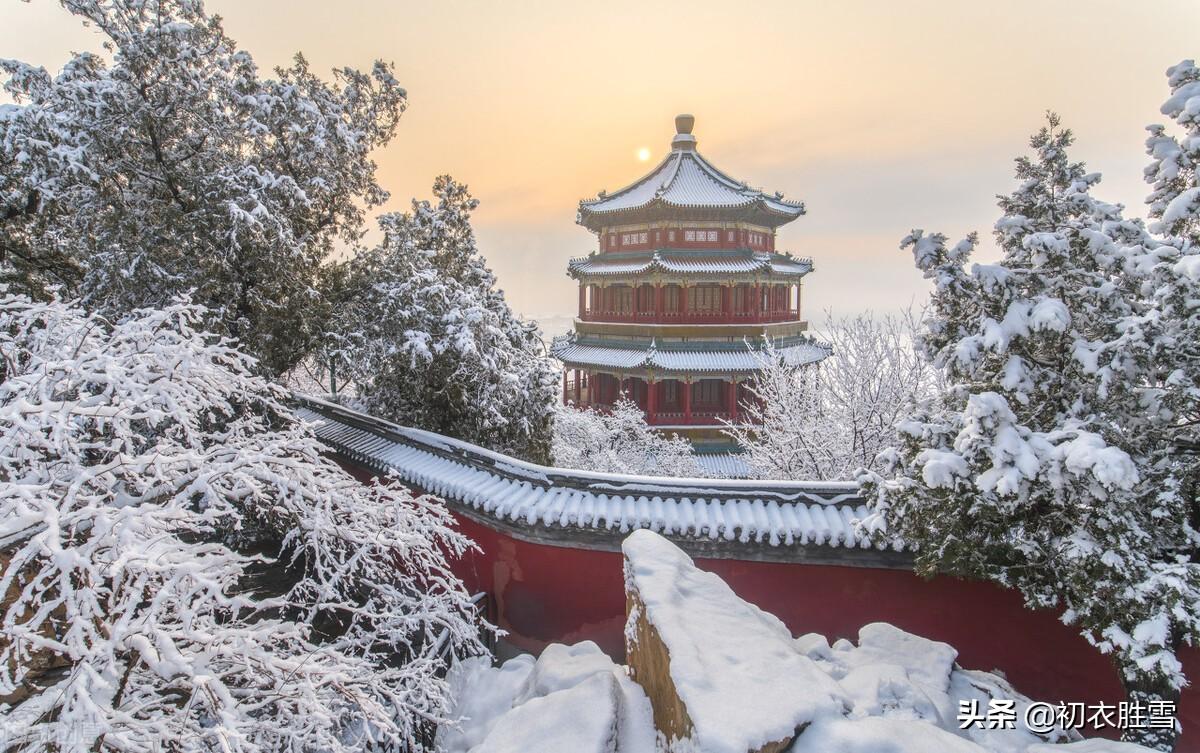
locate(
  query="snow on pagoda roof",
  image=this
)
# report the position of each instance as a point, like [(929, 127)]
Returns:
[(685, 180), (569, 349), (514, 492), (597, 264), (725, 464)]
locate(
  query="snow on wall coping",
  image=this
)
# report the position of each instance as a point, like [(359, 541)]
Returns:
[(733, 665), (772, 513)]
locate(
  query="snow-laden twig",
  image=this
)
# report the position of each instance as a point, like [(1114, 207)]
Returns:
[(142, 465), (829, 419)]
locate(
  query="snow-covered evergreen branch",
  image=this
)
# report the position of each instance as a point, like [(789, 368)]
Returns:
[(1051, 462)]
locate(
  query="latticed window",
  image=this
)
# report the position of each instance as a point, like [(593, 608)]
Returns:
[(645, 298), (622, 299), (741, 298), (671, 298), (669, 396), (706, 393), (704, 298)]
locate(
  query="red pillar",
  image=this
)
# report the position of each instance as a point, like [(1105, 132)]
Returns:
[(565, 370), (578, 378), (726, 300), (658, 301), (733, 406), (756, 309), (651, 401), (582, 299), (687, 402)]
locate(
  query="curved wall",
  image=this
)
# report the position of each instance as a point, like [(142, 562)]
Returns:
[(544, 594)]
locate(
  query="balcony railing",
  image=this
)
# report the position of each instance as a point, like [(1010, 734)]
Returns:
[(691, 317)]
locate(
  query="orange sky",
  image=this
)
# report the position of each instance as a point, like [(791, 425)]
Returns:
[(881, 116)]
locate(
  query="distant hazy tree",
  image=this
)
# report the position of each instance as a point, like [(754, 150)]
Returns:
[(827, 420), (171, 165), (619, 441), (428, 340)]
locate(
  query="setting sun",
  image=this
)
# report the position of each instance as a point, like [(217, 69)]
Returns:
[(643, 154)]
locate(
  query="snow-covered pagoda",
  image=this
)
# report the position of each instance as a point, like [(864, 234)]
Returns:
[(684, 286)]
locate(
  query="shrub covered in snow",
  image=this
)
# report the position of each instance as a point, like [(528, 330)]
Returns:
[(1052, 463), (572, 698), (619, 441), (830, 419), (429, 341), (183, 567)]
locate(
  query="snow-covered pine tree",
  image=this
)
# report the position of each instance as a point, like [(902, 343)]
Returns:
[(1041, 466), (829, 419), (619, 441), (169, 165), (182, 567), (1171, 258), (429, 341)]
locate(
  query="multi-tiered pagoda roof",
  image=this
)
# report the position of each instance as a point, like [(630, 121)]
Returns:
[(685, 286), (687, 186)]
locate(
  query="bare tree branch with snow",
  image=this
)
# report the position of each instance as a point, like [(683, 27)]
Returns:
[(829, 419), (182, 565), (619, 441)]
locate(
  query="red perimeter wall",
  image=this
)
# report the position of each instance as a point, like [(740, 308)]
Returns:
[(545, 594)]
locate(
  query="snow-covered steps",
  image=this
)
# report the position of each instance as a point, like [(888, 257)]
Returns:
[(735, 518)]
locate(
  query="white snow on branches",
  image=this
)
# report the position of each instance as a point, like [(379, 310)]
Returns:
[(619, 441), (170, 164), (1060, 459), (827, 420), (182, 563), (429, 341)]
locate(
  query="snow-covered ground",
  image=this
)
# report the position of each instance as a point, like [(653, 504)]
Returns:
[(744, 680)]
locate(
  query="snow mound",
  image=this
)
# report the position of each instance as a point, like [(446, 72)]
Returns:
[(483, 695), (580, 719), (925, 662), (513, 706), (876, 735), (561, 667), (737, 681), (722, 653), (1089, 746)]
